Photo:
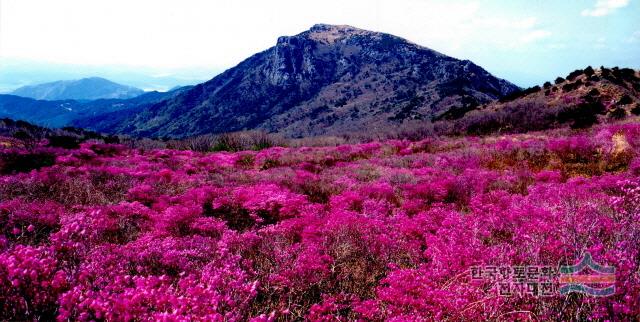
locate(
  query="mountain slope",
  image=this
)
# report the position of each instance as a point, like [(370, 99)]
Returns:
[(46, 113), (585, 97), (327, 80), (64, 112), (109, 113), (83, 89)]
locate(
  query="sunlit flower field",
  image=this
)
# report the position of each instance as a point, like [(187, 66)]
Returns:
[(377, 231)]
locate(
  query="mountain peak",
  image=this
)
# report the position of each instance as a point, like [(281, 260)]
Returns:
[(325, 26), (329, 79), (344, 29), (327, 34), (95, 79), (331, 33)]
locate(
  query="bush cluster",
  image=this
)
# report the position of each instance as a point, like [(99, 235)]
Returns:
[(377, 231)]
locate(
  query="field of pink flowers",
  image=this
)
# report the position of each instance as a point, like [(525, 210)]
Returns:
[(376, 231)]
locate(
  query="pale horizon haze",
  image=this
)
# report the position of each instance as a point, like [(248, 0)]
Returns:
[(160, 44)]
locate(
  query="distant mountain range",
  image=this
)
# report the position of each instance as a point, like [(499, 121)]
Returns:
[(59, 113), (82, 89), (327, 80)]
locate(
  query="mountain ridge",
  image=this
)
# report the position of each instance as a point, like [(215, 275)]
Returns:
[(326, 80), (90, 88), (583, 98), (58, 113)]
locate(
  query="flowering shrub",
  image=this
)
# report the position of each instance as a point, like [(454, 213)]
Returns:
[(377, 231)]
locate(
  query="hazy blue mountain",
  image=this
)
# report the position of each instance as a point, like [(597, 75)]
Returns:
[(82, 89), (63, 112), (16, 72), (45, 113)]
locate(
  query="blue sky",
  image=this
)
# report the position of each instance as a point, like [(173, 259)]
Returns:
[(157, 44)]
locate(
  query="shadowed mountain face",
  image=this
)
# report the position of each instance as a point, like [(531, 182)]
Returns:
[(83, 89), (327, 80)]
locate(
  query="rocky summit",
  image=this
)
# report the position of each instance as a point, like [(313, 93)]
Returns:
[(326, 80)]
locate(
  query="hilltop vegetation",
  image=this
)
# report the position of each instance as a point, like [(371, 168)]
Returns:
[(584, 98)]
